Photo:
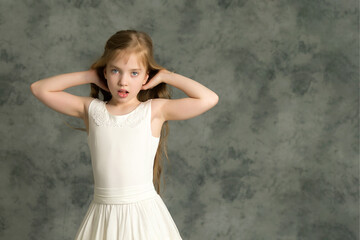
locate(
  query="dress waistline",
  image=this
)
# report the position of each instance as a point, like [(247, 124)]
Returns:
[(124, 195)]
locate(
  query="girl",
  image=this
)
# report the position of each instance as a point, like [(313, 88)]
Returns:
[(126, 133)]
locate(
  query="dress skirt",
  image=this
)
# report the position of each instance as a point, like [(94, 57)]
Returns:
[(129, 213)]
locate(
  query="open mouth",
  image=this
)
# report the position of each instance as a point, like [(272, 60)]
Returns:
[(123, 93)]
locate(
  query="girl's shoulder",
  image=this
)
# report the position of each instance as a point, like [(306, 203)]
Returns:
[(158, 102), (157, 106), (91, 101)]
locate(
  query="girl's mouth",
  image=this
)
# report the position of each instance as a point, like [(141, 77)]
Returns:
[(123, 93)]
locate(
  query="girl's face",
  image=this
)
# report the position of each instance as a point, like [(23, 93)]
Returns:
[(125, 77)]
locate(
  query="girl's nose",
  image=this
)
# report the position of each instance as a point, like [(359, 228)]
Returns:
[(123, 80)]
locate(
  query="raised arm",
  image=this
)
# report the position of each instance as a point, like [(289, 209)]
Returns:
[(50, 92), (200, 99)]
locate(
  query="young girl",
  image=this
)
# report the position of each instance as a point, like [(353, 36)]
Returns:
[(126, 134)]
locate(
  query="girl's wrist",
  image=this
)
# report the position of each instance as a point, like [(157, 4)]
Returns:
[(168, 76), (91, 76)]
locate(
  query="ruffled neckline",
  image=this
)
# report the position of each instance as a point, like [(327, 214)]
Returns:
[(122, 115), (102, 117)]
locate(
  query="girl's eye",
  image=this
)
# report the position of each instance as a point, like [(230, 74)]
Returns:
[(114, 71), (135, 73)]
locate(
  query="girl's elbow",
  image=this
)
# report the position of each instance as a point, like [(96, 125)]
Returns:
[(35, 88), (211, 100), (214, 99)]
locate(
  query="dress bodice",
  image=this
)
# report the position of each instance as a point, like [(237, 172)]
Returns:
[(122, 146)]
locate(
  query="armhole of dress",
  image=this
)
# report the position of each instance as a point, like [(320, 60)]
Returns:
[(90, 117), (149, 117), (90, 109)]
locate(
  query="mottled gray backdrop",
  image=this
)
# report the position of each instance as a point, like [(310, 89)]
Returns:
[(277, 158)]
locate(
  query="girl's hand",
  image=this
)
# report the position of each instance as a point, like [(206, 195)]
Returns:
[(94, 78), (160, 77)]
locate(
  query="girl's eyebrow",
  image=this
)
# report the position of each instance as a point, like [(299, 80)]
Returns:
[(111, 65)]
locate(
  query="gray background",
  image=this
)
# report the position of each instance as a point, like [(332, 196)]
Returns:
[(277, 158)]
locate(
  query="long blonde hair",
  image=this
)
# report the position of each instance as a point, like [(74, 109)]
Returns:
[(131, 41)]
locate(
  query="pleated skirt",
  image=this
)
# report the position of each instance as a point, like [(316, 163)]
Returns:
[(130, 213)]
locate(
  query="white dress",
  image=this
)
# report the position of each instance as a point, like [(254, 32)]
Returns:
[(126, 205)]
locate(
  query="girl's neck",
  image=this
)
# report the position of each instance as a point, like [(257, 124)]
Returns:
[(128, 104)]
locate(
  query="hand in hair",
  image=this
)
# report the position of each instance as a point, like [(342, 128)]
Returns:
[(94, 78), (160, 77)]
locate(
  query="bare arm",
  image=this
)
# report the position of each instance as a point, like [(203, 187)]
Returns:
[(50, 92), (200, 99)]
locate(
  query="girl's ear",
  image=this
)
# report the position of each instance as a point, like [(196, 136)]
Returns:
[(105, 72), (146, 78)]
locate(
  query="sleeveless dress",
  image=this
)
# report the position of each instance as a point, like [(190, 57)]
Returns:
[(126, 205)]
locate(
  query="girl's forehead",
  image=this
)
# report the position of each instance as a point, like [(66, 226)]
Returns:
[(130, 59)]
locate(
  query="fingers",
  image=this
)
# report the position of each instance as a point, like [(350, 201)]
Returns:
[(145, 87)]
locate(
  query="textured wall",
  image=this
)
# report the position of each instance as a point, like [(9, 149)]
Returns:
[(277, 158)]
